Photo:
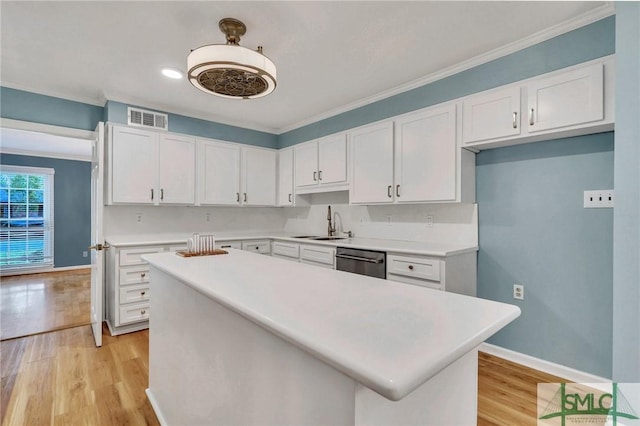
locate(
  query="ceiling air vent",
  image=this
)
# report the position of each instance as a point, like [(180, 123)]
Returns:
[(142, 118)]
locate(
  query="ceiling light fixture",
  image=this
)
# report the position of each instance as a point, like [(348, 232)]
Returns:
[(171, 73), (230, 70)]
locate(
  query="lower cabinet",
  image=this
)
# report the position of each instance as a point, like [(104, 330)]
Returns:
[(257, 246), (311, 254), (456, 274)]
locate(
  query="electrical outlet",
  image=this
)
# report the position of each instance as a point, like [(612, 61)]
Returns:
[(207, 217), (429, 221), (138, 217), (85, 254), (518, 291), (389, 220), (602, 198)]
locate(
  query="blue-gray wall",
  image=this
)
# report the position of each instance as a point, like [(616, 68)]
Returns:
[(626, 249), (71, 209), (533, 230)]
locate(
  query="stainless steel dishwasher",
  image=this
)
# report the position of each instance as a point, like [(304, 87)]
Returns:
[(363, 262)]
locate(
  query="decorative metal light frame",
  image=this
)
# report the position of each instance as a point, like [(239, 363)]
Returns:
[(230, 70)]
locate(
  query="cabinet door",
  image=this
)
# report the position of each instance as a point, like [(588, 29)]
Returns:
[(177, 170), (259, 177), (372, 164), (218, 173), (332, 159), (568, 99), (134, 166), (425, 156), (306, 163), (285, 177), (491, 116)]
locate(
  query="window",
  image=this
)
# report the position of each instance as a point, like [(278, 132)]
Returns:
[(26, 217)]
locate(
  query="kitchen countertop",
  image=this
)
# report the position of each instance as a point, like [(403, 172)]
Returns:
[(389, 336), (393, 246)]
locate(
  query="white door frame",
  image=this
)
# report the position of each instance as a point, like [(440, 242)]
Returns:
[(97, 234)]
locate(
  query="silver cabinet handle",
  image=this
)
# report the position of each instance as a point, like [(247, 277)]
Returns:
[(161, 194), (389, 191), (362, 259), (237, 197), (531, 117), (320, 175), (151, 194), (314, 176), (397, 190), (515, 120), (245, 197), (290, 198)]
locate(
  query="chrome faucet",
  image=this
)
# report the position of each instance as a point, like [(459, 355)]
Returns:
[(331, 230)]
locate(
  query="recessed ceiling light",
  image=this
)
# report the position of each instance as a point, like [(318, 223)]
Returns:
[(171, 73)]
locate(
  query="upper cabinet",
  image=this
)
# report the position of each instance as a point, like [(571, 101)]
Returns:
[(147, 167), (234, 175), (321, 165), (285, 177), (414, 158), (258, 177), (571, 102)]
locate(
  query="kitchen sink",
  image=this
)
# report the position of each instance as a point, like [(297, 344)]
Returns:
[(328, 238), (305, 236)]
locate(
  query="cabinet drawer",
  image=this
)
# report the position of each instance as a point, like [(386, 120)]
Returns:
[(414, 267), (285, 249), (262, 246), (134, 313), (134, 275), (135, 293), (318, 254), (436, 285), (229, 244), (131, 256)]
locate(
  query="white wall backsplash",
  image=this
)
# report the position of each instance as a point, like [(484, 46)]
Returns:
[(122, 220), (452, 223)]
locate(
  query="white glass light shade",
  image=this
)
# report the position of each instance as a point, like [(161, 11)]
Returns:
[(240, 73)]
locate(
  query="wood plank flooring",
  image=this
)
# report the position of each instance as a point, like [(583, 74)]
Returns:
[(61, 378), (38, 303)]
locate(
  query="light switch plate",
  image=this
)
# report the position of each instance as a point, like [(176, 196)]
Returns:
[(601, 198)]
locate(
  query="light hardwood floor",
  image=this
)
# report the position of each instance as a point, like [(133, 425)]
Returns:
[(61, 378), (38, 303)]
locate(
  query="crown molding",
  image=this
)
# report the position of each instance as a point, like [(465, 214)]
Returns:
[(587, 18)]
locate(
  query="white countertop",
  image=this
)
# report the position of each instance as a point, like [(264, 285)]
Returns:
[(395, 246), (391, 337)]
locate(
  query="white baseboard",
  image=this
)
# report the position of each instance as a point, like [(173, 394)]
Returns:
[(549, 367), (27, 271), (156, 409)]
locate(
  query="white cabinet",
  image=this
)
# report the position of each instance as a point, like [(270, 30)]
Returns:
[(321, 165), (571, 102), (285, 177), (150, 168), (322, 256), (491, 115), (421, 162), (231, 174), (372, 164), (567, 99), (128, 288), (229, 244), (257, 246), (456, 274), (286, 250), (258, 177), (425, 156), (218, 173)]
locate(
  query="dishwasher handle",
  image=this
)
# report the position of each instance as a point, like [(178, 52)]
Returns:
[(360, 258)]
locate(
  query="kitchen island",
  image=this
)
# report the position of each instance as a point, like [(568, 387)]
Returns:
[(248, 339)]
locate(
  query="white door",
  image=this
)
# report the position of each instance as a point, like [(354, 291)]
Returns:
[(372, 164), (134, 162), (177, 169), (285, 177), (332, 159), (218, 173), (306, 163), (491, 115), (425, 156), (259, 177), (97, 237)]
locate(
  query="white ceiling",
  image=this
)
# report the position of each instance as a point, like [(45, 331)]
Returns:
[(330, 54)]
